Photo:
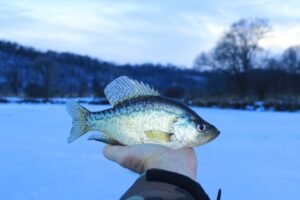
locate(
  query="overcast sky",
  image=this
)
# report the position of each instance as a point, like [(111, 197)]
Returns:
[(136, 31)]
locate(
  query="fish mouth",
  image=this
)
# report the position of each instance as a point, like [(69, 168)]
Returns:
[(212, 135), (215, 132), (209, 135)]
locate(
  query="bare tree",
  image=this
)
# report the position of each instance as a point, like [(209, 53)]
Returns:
[(291, 59), (235, 52), (13, 77), (45, 68)]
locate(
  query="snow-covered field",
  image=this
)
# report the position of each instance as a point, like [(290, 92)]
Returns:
[(255, 157)]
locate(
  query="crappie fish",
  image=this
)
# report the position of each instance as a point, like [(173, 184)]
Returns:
[(140, 115)]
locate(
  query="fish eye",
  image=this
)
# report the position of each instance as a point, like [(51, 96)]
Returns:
[(200, 127)]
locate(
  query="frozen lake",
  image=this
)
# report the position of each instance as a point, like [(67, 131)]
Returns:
[(255, 157)]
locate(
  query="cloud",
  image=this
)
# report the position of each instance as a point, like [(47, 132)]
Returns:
[(138, 30), (282, 37)]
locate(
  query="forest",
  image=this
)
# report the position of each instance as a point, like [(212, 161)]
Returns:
[(236, 73)]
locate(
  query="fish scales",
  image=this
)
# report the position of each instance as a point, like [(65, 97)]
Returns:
[(130, 120)]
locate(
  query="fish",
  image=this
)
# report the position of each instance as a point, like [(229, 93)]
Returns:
[(140, 115)]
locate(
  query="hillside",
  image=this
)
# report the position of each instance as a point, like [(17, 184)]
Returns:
[(29, 73)]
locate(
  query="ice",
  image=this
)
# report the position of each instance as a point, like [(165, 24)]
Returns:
[(255, 157)]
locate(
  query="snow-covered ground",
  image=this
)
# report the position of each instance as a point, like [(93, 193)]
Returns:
[(255, 157)]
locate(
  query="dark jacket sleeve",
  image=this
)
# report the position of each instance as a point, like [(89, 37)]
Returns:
[(161, 184)]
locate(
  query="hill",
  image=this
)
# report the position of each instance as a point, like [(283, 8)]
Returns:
[(27, 72)]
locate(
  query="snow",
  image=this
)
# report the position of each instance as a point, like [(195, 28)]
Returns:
[(255, 157)]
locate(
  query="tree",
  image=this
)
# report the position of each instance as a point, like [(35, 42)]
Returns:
[(236, 50), (291, 59), (45, 68), (97, 88), (273, 64), (33, 90), (13, 76)]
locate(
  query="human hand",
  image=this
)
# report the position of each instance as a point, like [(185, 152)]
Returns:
[(142, 157)]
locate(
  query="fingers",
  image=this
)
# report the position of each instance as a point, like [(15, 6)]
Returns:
[(115, 153), (124, 157), (139, 158)]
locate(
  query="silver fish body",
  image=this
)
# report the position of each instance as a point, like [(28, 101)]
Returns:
[(143, 119)]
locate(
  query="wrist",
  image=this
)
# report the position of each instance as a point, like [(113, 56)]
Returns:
[(176, 167), (177, 179)]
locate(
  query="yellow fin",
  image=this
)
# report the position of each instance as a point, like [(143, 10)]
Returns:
[(158, 135)]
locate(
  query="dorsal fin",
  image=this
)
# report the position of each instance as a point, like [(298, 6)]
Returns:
[(124, 88)]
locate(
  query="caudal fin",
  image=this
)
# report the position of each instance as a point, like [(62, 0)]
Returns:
[(79, 115)]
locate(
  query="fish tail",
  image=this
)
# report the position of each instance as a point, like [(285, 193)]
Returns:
[(79, 115)]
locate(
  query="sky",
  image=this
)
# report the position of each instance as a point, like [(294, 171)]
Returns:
[(139, 31)]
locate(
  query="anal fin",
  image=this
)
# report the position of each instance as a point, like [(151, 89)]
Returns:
[(104, 138)]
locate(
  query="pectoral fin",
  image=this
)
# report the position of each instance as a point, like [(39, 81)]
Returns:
[(158, 135), (104, 138)]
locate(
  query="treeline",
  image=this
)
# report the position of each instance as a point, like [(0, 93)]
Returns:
[(237, 72), (26, 72), (241, 70)]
